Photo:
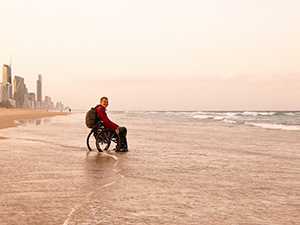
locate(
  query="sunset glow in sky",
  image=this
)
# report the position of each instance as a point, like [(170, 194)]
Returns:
[(157, 55)]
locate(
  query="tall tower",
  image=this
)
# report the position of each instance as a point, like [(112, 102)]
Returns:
[(19, 90), (6, 74), (7, 81), (39, 89)]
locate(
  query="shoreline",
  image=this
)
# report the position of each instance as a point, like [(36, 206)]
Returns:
[(9, 116), (209, 172)]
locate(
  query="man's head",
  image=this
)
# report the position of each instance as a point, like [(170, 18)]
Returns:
[(104, 101)]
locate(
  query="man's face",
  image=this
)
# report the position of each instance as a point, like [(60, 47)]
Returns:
[(104, 103)]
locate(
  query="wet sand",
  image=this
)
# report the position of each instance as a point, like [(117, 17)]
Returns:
[(211, 174), (9, 116)]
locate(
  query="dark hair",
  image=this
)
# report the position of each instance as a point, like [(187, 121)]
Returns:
[(103, 98)]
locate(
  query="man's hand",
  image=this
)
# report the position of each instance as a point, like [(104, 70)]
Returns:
[(117, 131)]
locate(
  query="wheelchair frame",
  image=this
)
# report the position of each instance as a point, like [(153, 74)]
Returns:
[(103, 137)]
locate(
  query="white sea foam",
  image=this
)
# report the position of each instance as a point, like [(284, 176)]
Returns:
[(203, 117), (178, 113), (275, 126), (253, 113), (267, 113), (199, 112), (229, 121), (219, 118), (248, 113), (290, 114), (231, 114)]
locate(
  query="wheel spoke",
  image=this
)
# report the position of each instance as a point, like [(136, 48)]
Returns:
[(107, 136), (104, 139)]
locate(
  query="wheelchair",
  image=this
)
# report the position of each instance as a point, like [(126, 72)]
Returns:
[(102, 137)]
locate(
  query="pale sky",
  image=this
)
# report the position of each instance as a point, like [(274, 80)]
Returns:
[(158, 54)]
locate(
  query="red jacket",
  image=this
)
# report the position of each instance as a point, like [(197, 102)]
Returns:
[(101, 111)]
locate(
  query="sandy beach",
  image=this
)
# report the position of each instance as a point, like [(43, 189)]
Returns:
[(216, 173), (9, 116)]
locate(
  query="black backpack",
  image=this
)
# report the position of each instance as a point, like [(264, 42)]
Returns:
[(91, 118)]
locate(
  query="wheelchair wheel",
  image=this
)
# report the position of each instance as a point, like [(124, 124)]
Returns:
[(91, 141), (104, 139)]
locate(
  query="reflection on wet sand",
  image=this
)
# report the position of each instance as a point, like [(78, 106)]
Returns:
[(9, 116), (41, 183), (211, 174), (34, 122)]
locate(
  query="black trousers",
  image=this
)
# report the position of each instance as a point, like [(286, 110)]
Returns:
[(122, 142)]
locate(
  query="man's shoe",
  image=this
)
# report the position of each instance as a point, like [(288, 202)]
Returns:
[(116, 149), (120, 149)]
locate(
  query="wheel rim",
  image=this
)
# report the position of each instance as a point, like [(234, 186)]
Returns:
[(90, 140), (103, 140)]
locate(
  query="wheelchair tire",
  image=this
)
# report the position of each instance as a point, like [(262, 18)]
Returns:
[(91, 140), (104, 138)]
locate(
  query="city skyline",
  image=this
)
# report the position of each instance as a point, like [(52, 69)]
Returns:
[(16, 94)]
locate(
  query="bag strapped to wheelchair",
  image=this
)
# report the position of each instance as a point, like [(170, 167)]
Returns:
[(91, 118)]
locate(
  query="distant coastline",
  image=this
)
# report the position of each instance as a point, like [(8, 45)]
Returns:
[(9, 116)]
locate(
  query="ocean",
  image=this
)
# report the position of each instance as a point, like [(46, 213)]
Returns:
[(283, 120), (183, 167)]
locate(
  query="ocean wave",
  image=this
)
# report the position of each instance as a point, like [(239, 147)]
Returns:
[(275, 126), (229, 121), (283, 120), (254, 113), (216, 117), (249, 113), (203, 117), (179, 113), (140, 112), (219, 118), (291, 114), (135, 112)]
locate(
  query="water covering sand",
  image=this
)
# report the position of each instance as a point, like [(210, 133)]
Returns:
[(179, 170)]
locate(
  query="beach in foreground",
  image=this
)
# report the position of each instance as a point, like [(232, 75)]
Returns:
[(179, 170)]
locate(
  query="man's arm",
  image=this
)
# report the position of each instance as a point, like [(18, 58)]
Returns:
[(107, 122)]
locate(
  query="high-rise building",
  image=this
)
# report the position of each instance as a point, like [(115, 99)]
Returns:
[(31, 99), (4, 93), (48, 103), (6, 74), (1, 92), (26, 99), (7, 80), (31, 96), (39, 89), (19, 91)]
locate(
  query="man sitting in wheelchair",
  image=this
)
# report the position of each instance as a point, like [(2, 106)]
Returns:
[(120, 131)]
